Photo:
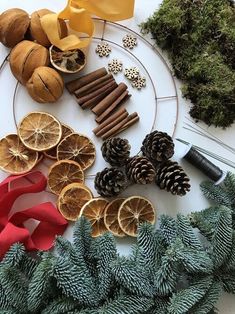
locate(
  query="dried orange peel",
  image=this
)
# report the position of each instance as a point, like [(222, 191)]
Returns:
[(15, 158), (40, 131), (79, 148), (94, 211), (52, 153), (111, 217), (71, 200), (63, 173), (133, 211)]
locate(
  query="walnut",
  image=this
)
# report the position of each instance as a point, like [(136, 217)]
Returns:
[(71, 61), (13, 26), (25, 58), (36, 31), (46, 85)]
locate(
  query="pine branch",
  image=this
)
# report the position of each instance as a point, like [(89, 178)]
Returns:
[(222, 238), (14, 256), (230, 263), (186, 233), (106, 253), (216, 193), (14, 287), (205, 221), (168, 228), (165, 279), (229, 282), (131, 278), (194, 261), (160, 306), (183, 301), (126, 305), (40, 285), (60, 306), (206, 304), (75, 283), (4, 303), (229, 183), (148, 244), (28, 266)]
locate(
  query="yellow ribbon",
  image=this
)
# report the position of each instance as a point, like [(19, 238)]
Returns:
[(78, 13)]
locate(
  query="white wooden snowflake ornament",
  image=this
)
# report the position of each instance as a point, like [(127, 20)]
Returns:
[(103, 50), (129, 41), (131, 73), (139, 82), (115, 66)]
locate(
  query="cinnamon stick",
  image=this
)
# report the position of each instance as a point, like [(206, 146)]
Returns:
[(86, 88), (95, 87), (92, 94), (86, 79), (116, 103), (95, 100), (127, 125), (112, 124), (108, 101), (119, 126), (112, 118)]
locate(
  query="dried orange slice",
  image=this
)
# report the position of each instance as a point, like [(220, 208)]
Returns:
[(79, 148), (94, 212), (40, 131), (63, 173), (133, 211), (111, 217), (71, 200), (15, 158), (52, 153)]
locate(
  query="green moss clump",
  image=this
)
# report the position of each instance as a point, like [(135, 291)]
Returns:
[(199, 36)]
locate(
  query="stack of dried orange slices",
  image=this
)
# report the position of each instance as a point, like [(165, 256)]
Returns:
[(41, 134), (120, 216)]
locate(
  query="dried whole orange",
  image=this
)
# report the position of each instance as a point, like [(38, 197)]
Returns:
[(52, 153), (71, 200), (15, 158), (40, 131), (63, 173), (111, 217), (133, 211), (94, 211), (79, 148)]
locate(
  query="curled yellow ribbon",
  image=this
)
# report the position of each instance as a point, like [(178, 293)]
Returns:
[(78, 13)]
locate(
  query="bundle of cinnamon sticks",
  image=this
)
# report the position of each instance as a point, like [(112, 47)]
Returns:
[(100, 92)]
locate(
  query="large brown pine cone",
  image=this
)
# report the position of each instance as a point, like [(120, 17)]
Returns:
[(140, 170), (172, 178), (116, 151), (158, 146), (110, 182)]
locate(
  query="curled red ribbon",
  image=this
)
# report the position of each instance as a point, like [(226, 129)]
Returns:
[(12, 228)]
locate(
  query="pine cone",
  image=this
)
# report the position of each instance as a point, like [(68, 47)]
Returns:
[(140, 170), (172, 178), (116, 151), (110, 182), (158, 146)]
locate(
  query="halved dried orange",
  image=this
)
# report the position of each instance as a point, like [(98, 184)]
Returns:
[(63, 173), (79, 148), (133, 211), (94, 212), (15, 158), (52, 153), (40, 131), (111, 217), (71, 200)]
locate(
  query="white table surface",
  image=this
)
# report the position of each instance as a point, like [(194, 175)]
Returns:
[(164, 202)]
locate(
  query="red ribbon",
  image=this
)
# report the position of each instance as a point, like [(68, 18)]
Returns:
[(12, 227)]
